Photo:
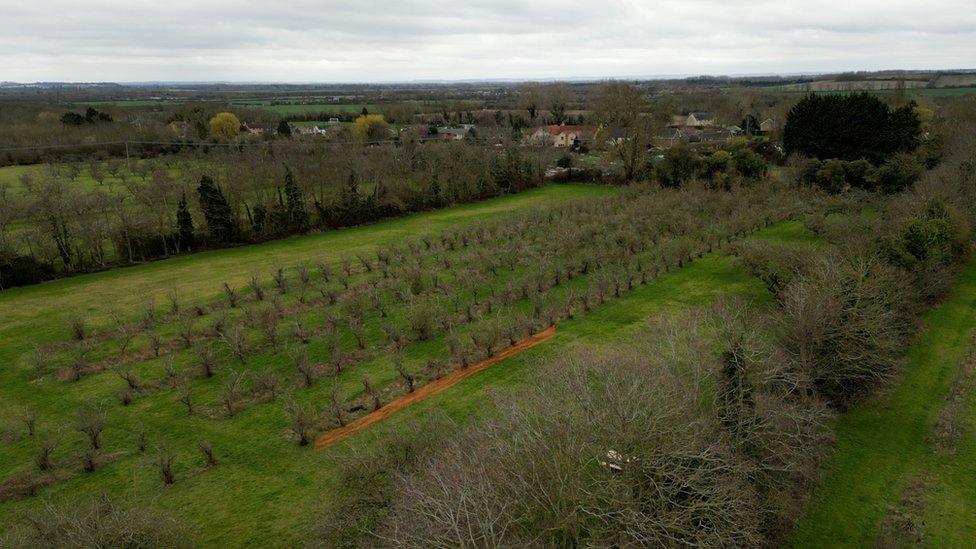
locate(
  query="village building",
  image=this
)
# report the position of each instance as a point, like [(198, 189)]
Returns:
[(563, 136)]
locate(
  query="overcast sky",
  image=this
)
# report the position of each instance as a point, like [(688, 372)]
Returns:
[(398, 40)]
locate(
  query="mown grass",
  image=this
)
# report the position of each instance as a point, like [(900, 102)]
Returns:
[(882, 445)]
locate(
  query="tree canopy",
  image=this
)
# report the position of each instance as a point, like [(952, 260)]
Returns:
[(226, 125), (850, 127), (371, 127)]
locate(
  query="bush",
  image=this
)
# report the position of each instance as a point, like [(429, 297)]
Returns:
[(660, 475), (21, 270), (749, 164), (364, 481), (898, 173), (775, 264), (97, 523), (846, 323)]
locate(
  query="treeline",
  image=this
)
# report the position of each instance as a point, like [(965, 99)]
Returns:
[(54, 225), (35, 133)]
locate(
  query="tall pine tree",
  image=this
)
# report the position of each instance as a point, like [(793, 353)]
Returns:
[(217, 211), (184, 224), (295, 202)]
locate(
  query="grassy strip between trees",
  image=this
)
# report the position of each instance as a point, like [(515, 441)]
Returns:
[(883, 446)]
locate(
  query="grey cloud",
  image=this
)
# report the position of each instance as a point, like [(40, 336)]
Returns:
[(382, 40)]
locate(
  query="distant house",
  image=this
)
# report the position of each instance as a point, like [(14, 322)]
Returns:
[(614, 136), (563, 136), (687, 133), (463, 131), (767, 125), (692, 120), (253, 130), (181, 128), (699, 120)]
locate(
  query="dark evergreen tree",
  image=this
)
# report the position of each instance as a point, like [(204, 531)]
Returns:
[(284, 129), (184, 224), (850, 127), (295, 201), (72, 119), (349, 202), (217, 211)]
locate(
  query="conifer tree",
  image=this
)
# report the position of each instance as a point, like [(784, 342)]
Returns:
[(297, 215), (217, 211), (184, 224)]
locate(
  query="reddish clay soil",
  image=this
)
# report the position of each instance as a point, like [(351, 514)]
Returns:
[(336, 435)]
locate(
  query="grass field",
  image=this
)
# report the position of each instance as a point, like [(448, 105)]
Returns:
[(261, 478), (264, 479), (884, 445), (938, 92), (285, 110)]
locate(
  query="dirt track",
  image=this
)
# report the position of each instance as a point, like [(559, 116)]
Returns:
[(328, 439)]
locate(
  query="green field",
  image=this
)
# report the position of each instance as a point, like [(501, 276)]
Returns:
[(292, 109), (136, 103), (884, 445), (937, 92), (263, 479)]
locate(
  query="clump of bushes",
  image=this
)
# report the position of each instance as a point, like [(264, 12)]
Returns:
[(896, 174), (100, 522)]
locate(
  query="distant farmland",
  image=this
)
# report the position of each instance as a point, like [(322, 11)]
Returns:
[(306, 108)]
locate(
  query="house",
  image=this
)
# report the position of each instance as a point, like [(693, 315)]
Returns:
[(181, 128), (563, 136), (691, 120), (463, 131), (687, 133), (253, 130), (614, 136), (767, 125), (309, 130), (699, 120)]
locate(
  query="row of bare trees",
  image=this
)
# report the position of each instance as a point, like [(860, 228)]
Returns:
[(709, 433), (59, 219)]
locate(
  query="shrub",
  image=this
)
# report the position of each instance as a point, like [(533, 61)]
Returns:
[(163, 462), (42, 456), (97, 523), (90, 421), (658, 475), (898, 173), (844, 324), (20, 270), (206, 449), (303, 419)]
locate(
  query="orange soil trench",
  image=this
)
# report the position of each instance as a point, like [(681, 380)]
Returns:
[(431, 389)]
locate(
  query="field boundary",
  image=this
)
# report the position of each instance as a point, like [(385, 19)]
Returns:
[(337, 435)]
